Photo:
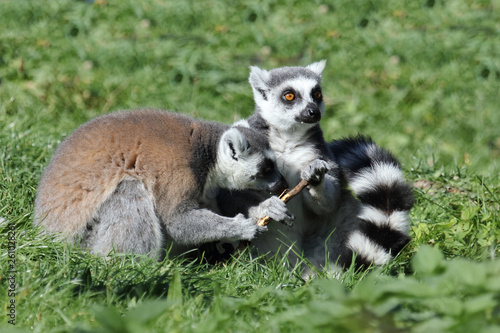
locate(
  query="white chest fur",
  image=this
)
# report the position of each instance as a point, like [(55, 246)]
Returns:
[(293, 154)]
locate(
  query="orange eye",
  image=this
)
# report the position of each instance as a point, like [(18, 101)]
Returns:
[(289, 96), (317, 95)]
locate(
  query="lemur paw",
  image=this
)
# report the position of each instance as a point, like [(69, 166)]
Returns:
[(315, 172), (248, 228), (275, 209)]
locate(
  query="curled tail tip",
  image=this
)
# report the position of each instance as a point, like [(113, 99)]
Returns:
[(367, 252)]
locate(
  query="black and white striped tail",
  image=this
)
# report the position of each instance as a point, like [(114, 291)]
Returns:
[(374, 176)]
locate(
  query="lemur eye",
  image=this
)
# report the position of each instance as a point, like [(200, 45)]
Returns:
[(267, 168), (289, 96), (317, 95)]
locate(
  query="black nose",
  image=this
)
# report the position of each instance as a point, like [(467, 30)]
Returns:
[(277, 187), (310, 114)]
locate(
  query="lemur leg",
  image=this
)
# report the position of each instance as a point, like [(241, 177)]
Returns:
[(126, 222)]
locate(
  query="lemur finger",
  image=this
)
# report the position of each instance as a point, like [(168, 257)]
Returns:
[(275, 205), (263, 208), (283, 217), (287, 221), (278, 211), (315, 172), (274, 209), (261, 229)]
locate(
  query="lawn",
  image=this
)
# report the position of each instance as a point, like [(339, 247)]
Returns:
[(421, 77)]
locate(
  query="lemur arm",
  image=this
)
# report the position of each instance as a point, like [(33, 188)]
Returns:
[(197, 226), (321, 196), (251, 203), (200, 225)]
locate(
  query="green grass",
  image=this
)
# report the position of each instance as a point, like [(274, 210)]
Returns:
[(421, 77)]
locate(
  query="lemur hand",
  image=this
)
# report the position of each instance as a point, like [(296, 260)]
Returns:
[(275, 209), (315, 171)]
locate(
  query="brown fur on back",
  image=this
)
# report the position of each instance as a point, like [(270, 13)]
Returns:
[(149, 145)]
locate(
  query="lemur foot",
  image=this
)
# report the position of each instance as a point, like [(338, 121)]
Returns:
[(275, 209), (315, 171)]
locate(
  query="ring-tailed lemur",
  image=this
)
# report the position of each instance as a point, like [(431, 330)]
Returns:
[(140, 181), (289, 106)]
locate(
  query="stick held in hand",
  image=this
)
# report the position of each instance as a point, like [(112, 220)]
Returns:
[(285, 196)]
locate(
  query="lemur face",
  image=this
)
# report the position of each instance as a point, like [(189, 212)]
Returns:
[(259, 172), (300, 99), (289, 98), (247, 162)]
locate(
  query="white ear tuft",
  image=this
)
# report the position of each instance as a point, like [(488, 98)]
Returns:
[(317, 67), (233, 143), (242, 123), (259, 78)]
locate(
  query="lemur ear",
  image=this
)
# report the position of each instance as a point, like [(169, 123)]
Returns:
[(234, 143), (317, 67), (259, 79)]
